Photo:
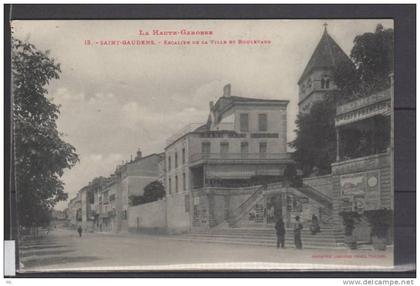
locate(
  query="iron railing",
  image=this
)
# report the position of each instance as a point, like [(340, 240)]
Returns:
[(186, 129), (238, 213)]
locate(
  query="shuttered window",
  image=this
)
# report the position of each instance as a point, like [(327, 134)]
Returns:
[(244, 122), (262, 122)]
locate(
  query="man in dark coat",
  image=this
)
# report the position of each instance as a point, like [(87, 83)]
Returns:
[(79, 230), (315, 228), (297, 232), (280, 231)]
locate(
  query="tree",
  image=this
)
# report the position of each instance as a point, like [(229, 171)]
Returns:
[(373, 58), (40, 155), (152, 192), (136, 200), (315, 138)]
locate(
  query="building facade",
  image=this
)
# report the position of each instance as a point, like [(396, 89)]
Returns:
[(107, 221), (363, 173), (75, 211), (132, 178), (212, 168)]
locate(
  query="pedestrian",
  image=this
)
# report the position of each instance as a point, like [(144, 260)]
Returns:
[(79, 230), (315, 228), (280, 231), (297, 232)]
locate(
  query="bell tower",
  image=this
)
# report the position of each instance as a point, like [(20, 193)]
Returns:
[(317, 79)]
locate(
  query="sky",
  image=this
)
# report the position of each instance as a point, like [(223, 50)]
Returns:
[(117, 99)]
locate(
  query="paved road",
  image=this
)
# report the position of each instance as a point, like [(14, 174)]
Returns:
[(62, 250)]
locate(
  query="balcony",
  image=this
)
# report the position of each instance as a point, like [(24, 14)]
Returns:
[(362, 164), (200, 158)]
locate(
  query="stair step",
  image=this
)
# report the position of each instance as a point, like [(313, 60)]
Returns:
[(267, 229), (322, 233), (262, 239), (263, 244), (257, 236), (264, 236), (269, 241)]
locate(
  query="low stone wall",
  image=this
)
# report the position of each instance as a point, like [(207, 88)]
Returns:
[(177, 216), (148, 218)]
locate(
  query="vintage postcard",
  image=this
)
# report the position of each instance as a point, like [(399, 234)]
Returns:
[(204, 144)]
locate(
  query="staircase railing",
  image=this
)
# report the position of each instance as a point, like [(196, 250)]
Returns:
[(316, 195), (237, 214)]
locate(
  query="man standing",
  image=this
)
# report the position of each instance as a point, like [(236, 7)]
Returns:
[(315, 228), (280, 231), (79, 230), (297, 231)]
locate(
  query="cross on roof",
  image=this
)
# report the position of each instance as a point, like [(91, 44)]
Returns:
[(325, 26)]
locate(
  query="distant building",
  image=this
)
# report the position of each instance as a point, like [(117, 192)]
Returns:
[(161, 167), (317, 79), (75, 211), (107, 221), (86, 200), (132, 177), (58, 215)]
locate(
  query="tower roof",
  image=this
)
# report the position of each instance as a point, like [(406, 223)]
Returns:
[(327, 54)]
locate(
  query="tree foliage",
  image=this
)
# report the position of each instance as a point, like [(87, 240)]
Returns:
[(373, 58), (152, 192), (40, 155), (315, 138)]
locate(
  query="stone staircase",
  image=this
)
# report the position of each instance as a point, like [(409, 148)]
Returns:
[(236, 215), (262, 236), (315, 195), (246, 206)]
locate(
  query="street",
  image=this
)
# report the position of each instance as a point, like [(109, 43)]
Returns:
[(63, 249)]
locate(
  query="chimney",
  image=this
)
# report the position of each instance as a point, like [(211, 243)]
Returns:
[(138, 154), (226, 90), (211, 105)]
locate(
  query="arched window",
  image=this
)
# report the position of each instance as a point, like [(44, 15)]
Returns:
[(325, 82)]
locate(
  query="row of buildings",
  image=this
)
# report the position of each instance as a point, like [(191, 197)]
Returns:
[(103, 204), (234, 170)]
